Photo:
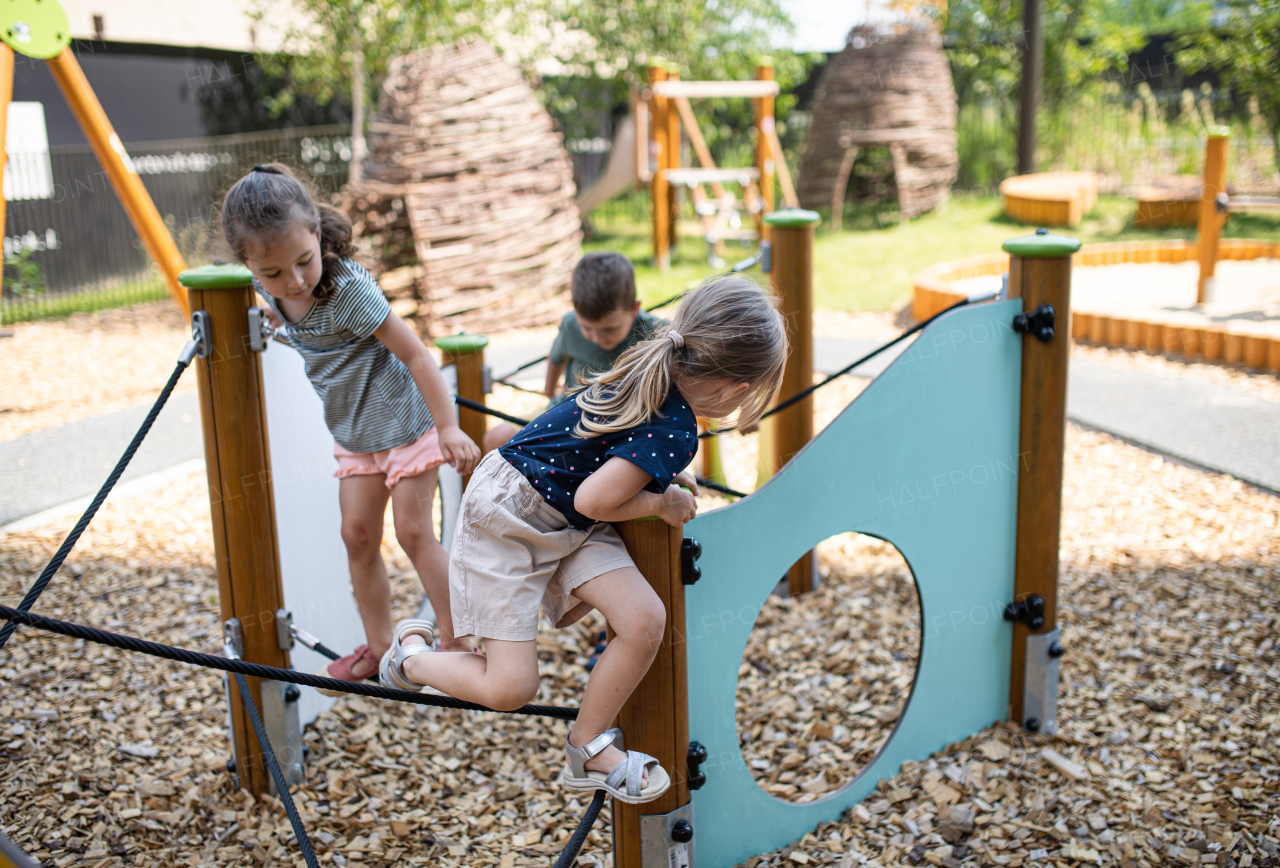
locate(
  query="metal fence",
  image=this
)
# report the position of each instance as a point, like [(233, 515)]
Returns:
[(69, 246)]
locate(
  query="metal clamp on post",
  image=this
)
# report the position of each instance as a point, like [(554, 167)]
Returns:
[(201, 333), (766, 257), (284, 629), (1038, 323), (697, 756), (690, 551), (260, 330), (665, 839), (1029, 611), (1040, 683)]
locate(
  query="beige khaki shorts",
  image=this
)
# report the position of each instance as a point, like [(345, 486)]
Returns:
[(513, 552)]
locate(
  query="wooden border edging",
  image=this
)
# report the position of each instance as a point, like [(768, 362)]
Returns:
[(1166, 335)]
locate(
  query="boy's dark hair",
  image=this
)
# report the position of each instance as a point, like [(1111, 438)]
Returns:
[(602, 283), (268, 201)]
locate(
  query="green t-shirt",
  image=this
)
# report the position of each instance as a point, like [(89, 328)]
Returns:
[(585, 357)]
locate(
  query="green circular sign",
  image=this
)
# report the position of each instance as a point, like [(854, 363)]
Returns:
[(34, 28), (462, 343), (226, 276), (791, 218), (1042, 245)]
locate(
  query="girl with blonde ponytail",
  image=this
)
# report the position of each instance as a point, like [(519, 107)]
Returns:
[(534, 524)]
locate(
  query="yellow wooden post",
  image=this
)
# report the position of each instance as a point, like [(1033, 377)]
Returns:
[(791, 276), (466, 354), (242, 506), (6, 96), (1211, 218), (655, 719), (659, 112), (673, 162), (764, 153), (119, 168), (1039, 274)]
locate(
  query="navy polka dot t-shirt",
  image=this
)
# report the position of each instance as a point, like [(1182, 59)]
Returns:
[(555, 462)]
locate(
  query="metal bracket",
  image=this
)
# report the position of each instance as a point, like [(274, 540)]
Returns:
[(766, 257), (201, 333), (1040, 682), (260, 331), (1222, 202), (1029, 611), (690, 551), (232, 639), (486, 379), (1038, 323), (666, 840), (284, 729), (696, 757), (284, 629)]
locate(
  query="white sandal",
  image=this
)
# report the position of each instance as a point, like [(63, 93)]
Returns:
[(391, 670), (626, 782)]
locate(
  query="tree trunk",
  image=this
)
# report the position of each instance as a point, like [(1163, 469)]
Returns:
[(356, 167)]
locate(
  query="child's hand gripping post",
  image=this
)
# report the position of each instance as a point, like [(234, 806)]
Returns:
[(458, 449), (616, 492)]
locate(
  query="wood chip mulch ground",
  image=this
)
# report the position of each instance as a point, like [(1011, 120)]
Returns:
[(1169, 715)]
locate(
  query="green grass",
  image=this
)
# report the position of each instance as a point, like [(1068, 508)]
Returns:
[(56, 306), (870, 264)]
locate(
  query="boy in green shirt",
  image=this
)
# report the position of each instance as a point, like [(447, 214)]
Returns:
[(605, 322)]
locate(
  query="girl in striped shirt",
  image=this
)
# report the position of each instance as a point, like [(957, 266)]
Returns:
[(385, 402)]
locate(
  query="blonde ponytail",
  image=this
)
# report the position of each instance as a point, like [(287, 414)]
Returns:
[(728, 327)]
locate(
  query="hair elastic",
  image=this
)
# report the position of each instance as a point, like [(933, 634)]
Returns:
[(676, 338), (261, 169)]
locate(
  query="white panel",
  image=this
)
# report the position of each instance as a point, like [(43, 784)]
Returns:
[(27, 172), (313, 560)]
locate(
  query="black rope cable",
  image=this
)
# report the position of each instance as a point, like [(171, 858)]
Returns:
[(282, 786), (257, 670), (737, 268), (804, 393), (579, 836), (46, 575)]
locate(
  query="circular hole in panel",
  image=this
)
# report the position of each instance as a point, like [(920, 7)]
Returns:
[(826, 675)]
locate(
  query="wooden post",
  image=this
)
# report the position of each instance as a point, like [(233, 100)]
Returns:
[(119, 168), (764, 155), (1039, 273), (792, 281), (659, 112), (240, 496), (466, 352), (673, 162), (6, 96), (1211, 220), (655, 719)]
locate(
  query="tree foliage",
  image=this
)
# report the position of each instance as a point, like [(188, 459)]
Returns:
[(1082, 40), (1244, 52)]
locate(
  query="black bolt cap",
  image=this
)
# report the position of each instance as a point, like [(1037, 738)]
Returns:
[(1032, 724), (682, 832)]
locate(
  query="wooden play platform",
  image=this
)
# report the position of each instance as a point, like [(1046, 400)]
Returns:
[(1163, 321), (1173, 200), (1050, 198)]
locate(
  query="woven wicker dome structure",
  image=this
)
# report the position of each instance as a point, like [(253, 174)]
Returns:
[(466, 203), (889, 86)]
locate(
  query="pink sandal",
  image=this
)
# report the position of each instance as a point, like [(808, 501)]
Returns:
[(340, 669)]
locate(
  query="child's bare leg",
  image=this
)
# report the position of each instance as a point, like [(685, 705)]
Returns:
[(363, 500), (505, 679), (411, 501), (638, 620)]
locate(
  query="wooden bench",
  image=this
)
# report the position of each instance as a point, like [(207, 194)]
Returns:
[(1050, 198)]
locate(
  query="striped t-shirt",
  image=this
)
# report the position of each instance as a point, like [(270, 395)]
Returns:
[(371, 402)]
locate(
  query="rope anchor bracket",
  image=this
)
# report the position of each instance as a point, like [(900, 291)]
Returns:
[(696, 757), (690, 551), (201, 333), (285, 631), (260, 330), (1038, 323)]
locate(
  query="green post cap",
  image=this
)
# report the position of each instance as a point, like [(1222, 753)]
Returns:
[(792, 218), (673, 66), (35, 28), (463, 343), (1219, 131), (657, 61), (1042, 245), (219, 276), (764, 60)]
